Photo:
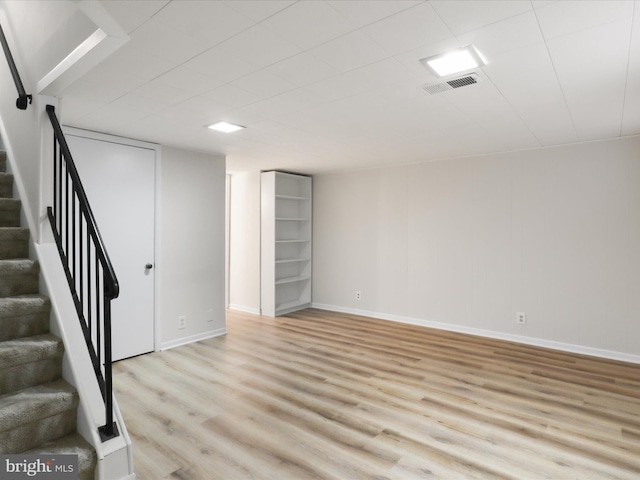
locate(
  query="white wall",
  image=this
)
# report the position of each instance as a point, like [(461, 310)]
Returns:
[(48, 31), (244, 261), (465, 244), (192, 245)]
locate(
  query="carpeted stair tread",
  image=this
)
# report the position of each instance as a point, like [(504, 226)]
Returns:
[(18, 277), (20, 351), (72, 444), (14, 242), (18, 266), (35, 403), (24, 316), (24, 305)]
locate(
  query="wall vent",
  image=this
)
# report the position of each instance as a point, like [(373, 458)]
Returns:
[(457, 82)]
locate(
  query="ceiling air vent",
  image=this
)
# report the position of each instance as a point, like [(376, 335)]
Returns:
[(458, 82)]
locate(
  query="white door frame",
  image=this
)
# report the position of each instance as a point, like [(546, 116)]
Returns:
[(157, 217)]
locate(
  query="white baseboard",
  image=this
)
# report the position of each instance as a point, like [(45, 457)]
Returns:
[(538, 342), (193, 338), (241, 308)]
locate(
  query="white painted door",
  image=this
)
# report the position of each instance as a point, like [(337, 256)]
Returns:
[(119, 181)]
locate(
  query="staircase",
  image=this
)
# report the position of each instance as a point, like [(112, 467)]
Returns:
[(38, 409)]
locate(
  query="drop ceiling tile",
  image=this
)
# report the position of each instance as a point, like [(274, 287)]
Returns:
[(123, 111), (263, 84), (130, 15), (73, 108), (631, 117), (221, 63), (162, 94), (104, 86), (409, 29), (188, 80), (463, 16), (204, 108), (180, 117), (158, 40), (349, 52), (596, 105), (302, 69), (232, 96), (363, 12), (127, 61), (527, 80), (370, 77), (259, 10), (239, 116), (510, 34), (259, 46), (293, 101), (308, 24), (562, 18), (209, 22), (484, 104)]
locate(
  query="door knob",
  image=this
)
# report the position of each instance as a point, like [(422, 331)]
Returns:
[(148, 266)]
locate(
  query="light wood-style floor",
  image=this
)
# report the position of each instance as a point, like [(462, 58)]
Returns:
[(321, 395)]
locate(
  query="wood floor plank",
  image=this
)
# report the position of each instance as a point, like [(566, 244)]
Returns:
[(324, 395)]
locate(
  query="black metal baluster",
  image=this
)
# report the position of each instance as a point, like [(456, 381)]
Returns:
[(55, 176), (108, 381), (74, 272), (98, 310), (89, 283), (81, 258), (66, 217)]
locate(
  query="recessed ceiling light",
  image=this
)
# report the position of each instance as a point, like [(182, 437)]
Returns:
[(459, 60), (225, 127)]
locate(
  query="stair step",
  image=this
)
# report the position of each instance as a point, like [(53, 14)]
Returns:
[(14, 242), (72, 444), (26, 362), (37, 415), (6, 185), (10, 212), (24, 316), (3, 161), (19, 277)]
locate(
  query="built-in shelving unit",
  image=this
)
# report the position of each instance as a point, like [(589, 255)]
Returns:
[(285, 243)]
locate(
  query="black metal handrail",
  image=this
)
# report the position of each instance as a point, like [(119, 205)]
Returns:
[(23, 97), (88, 268)]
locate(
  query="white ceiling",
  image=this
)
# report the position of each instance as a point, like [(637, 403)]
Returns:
[(334, 85)]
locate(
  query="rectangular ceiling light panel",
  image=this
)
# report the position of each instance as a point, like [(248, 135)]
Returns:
[(225, 127), (465, 58)]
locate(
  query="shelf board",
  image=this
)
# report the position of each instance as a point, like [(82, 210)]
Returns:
[(300, 240), (293, 260), (290, 197), (292, 219), (282, 281), (290, 306)]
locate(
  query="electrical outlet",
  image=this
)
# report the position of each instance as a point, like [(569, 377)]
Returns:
[(521, 318), (182, 322), (210, 315), (358, 295)]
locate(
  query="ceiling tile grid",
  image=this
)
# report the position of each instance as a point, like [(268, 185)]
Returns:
[(342, 78)]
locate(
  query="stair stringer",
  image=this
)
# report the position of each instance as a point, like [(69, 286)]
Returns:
[(115, 456)]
